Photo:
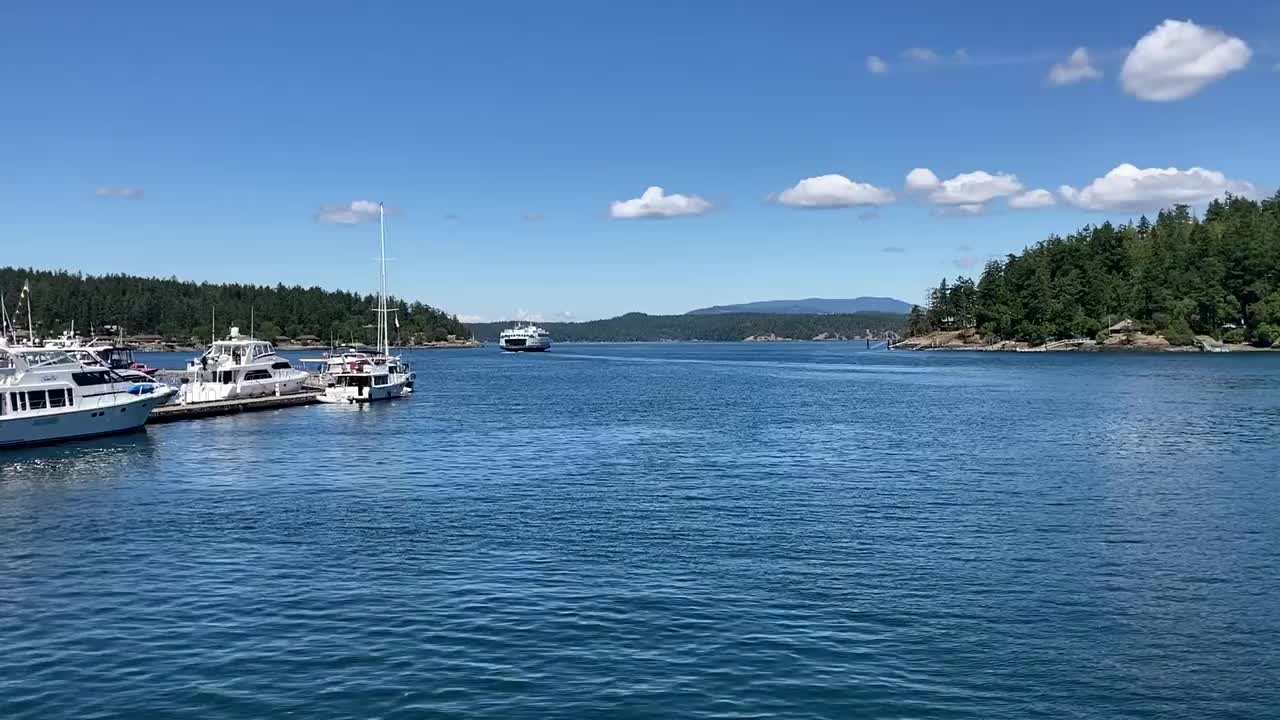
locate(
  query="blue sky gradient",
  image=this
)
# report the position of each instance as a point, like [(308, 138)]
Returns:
[(501, 132)]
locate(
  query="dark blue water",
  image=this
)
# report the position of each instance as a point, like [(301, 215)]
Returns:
[(799, 531)]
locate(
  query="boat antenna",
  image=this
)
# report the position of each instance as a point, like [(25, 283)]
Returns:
[(213, 327), (250, 321)]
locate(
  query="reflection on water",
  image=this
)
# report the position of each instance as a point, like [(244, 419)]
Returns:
[(703, 530)]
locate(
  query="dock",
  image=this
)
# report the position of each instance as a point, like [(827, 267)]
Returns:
[(171, 413)]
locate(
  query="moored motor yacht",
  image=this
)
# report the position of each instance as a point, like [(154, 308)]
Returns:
[(47, 396), (239, 367)]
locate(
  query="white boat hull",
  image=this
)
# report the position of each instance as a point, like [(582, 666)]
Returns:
[(86, 421), (201, 392), (340, 394)]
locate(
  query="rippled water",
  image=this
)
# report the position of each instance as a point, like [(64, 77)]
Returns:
[(693, 530)]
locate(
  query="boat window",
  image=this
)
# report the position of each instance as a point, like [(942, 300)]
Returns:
[(4, 403), (57, 399), (90, 378), (6, 360), (36, 399), (281, 365), (258, 375), (227, 376)]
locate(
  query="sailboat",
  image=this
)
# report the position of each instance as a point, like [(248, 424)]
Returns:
[(362, 377)]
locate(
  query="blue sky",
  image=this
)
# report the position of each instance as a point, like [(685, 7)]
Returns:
[(212, 142)]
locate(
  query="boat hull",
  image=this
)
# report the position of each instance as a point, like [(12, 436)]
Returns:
[(360, 395), (525, 348), (87, 422)]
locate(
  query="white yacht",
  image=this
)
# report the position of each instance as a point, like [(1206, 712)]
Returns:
[(239, 367), (47, 396), (356, 376), (100, 353), (524, 337)]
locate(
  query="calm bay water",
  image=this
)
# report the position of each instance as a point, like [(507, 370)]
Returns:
[(693, 530)]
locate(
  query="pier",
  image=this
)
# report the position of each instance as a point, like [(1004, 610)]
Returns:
[(172, 413)]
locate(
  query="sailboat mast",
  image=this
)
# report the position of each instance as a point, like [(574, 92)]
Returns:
[(383, 330)]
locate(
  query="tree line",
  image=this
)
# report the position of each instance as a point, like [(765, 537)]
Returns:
[(639, 327), (184, 311), (1181, 276)]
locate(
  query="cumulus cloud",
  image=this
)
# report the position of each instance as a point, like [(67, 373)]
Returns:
[(1033, 199), (894, 249), (128, 193), (876, 66), (470, 319), (1130, 188), (973, 188), (528, 315), (1078, 67), (354, 213), (655, 203), (921, 55), (830, 191), (1179, 59), (921, 179)]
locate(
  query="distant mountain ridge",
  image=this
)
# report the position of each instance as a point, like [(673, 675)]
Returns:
[(811, 306)]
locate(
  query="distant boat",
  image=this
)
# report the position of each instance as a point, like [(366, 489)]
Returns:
[(524, 337), (47, 396)]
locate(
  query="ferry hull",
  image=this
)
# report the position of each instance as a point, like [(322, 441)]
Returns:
[(525, 348)]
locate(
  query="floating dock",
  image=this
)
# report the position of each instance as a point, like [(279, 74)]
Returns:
[(171, 413)]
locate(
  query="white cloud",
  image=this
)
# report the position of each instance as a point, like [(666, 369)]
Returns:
[(963, 210), (1129, 188), (973, 188), (655, 203), (1178, 59), (921, 179), (470, 319), (1078, 67), (921, 55), (528, 315), (876, 66), (129, 193), (358, 211), (829, 191), (961, 55), (1033, 199)]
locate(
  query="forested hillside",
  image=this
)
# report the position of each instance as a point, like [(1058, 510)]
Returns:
[(182, 310), (1218, 275), (636, 327)]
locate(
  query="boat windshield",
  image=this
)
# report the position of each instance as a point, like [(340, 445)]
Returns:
[(47, 357)]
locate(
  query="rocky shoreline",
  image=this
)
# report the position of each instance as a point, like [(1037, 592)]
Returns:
[(969, 340)]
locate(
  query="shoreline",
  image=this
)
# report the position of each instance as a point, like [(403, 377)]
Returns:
[(969, 341)]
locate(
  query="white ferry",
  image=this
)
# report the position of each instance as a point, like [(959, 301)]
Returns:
[(239, 367), (47, 396), (524, 337)]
